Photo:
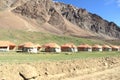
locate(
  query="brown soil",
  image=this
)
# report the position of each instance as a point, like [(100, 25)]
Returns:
[(92, 69)]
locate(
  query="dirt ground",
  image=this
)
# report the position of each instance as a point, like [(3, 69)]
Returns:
[(93, 69)]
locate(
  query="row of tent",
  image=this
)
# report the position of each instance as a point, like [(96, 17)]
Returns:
[(53, 47)]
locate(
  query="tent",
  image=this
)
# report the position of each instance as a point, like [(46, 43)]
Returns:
[(84, 47), (106, 48), (69, 47), (52, 47), (115, 48), (29, 47), (7, 46), (96, 48)]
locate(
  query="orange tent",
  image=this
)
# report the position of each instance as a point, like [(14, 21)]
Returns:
[(29, 45), (84, 47), (115, 48), (7, 44), (106, 48), (97, 47), (69, 47), (52, 47)]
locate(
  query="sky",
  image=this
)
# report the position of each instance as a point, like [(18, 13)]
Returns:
[(107, 9)]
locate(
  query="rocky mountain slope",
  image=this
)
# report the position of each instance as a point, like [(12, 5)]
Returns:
[(60, 18), (11, 3), (88, 21)]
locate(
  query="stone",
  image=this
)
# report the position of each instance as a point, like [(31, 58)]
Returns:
[(27, 72)]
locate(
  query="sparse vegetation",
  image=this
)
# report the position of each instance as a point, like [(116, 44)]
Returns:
[(22, 57), (18, 36)]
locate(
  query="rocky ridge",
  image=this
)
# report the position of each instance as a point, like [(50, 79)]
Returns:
[(88, 21)]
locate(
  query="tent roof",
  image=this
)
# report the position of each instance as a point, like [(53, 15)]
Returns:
[(52, 45), (96, 46), (6, 43), (70, 45), (84, 46), (115, 47), (28, 44), (106, 46)]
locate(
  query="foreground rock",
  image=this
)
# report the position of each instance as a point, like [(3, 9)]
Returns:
[(27, 72)]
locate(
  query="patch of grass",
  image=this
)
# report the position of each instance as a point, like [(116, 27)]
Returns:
[(115, 42), (10, 57), (18, 36)]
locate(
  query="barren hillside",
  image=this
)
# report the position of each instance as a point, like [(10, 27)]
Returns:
[(56, 18)]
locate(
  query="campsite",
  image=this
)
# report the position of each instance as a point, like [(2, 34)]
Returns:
[(52, 61), (46, 61), (29, 47), (88, 62), (59, 40)]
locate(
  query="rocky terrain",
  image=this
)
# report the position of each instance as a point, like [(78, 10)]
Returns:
[(88, 21), (59, 18), (107, 68), (4, 4)]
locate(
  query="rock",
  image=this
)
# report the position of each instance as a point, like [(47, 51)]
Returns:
[(46, 73), (8, 3), (35, 9), (27, 72)]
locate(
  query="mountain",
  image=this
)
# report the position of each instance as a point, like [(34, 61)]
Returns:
[(53, 17), (88, 21)]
